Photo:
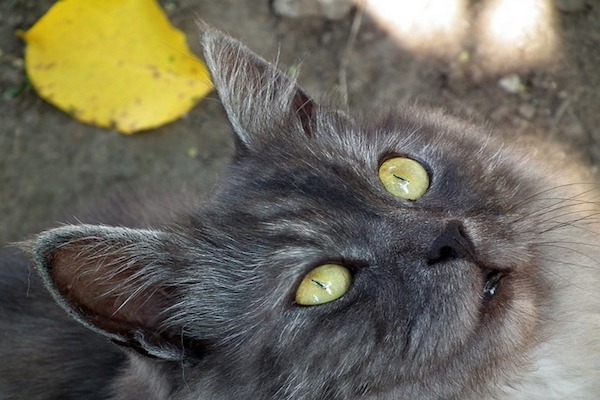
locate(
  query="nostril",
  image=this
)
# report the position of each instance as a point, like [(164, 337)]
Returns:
[(445, 252), (451, 243)]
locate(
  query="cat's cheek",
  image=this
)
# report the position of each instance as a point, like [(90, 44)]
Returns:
[(514, 314)]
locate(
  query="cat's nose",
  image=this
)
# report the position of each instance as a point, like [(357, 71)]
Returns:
[(451, 243)]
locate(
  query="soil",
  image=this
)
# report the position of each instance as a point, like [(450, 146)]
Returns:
[(51, 164)]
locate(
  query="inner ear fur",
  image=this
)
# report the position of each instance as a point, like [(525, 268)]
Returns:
[(111, 279)]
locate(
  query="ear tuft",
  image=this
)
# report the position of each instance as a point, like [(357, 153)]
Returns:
[(260, 100), (110, 279)]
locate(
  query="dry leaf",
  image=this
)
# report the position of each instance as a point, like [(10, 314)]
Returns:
[(114, 63)]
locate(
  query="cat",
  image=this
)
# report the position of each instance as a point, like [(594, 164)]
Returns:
[(407, 256)]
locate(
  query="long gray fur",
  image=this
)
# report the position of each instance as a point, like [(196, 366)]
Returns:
[(203, 307)]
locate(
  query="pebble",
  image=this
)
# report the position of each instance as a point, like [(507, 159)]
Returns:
[(512, 83), (331, 9), (192, 152)]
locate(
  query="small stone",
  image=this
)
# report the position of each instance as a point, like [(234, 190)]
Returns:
[(192, 152), (464, 56), (295, 9), (336, 9), (512, 83), (170, 7), (571, 6), (17, 63), (331, 9)]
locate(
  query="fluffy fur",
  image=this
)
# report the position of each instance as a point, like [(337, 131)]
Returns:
[(203, 307)]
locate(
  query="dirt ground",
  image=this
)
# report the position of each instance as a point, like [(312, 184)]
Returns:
[(50, 164)]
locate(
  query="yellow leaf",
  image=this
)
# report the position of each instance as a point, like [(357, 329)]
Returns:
[(114, 63)]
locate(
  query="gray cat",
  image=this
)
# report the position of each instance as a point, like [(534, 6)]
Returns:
[(408, 256)]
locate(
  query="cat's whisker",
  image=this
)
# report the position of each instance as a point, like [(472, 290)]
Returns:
[(542, 194), (561, 245), (559, 204), (412, 255)]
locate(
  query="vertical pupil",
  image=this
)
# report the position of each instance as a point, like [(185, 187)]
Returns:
[(399, 177), (323, 284), (404, 177), (318, 283)]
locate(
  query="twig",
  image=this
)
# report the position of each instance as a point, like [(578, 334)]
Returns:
[(343, 68)]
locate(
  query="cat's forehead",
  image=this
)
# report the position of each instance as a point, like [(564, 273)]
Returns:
[(336, 167), (344, 150), (407, 131)]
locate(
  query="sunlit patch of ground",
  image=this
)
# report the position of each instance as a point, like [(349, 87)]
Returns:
[(497, 36)]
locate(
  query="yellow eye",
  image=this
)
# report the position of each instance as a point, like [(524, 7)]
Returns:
[(323, 284), (404, 178)]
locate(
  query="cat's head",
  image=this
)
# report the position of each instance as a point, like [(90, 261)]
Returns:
[(399, 255)]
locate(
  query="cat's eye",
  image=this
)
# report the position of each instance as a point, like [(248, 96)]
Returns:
[(404, 177), (323, 284)]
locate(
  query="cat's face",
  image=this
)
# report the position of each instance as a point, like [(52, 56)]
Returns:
[(435, 288), (433, 281)]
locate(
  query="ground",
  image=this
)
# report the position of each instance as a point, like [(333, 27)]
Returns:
[(52, 165)]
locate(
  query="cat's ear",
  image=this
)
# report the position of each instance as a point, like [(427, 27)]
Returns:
[(111, 280), (260, 100)]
